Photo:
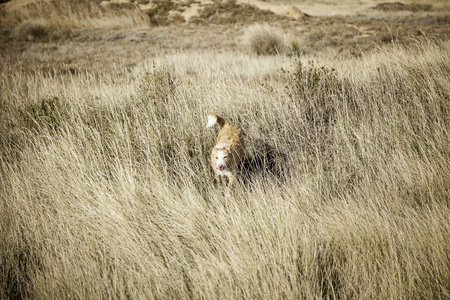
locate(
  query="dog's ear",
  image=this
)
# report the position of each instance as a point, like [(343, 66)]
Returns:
[(212, 119)]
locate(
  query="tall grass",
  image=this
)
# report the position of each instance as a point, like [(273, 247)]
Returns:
[(72, 14), (107, 191)]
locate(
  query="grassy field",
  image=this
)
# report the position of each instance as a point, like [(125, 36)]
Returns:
[(106, 189)]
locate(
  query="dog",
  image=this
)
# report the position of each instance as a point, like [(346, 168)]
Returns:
[(229, 149)]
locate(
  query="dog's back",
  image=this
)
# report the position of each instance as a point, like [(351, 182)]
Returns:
[(229, 149)]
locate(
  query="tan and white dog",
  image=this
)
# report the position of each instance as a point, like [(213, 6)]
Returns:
[(229, 149)]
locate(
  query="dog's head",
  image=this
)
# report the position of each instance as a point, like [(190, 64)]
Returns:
[(221, 156)]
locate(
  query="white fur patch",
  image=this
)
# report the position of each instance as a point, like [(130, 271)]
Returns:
[(220, 146), (221, 158), (211, 121), (226, 173)]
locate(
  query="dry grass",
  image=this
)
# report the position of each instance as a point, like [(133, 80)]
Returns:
[(72, 14), (233, 12), (264, 39), (352, 8), (107, 192)]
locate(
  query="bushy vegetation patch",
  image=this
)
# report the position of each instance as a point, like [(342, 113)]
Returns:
[(231, 12), (160, 13), (264, 39)]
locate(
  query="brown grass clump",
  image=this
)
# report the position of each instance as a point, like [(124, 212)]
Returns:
[(398, 6), (264, 39), (164, 13), (34, 31)]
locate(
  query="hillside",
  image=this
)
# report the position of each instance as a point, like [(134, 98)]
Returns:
[(97, 35)]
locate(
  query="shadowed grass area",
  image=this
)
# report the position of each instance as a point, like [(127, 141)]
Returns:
[(107, 191)]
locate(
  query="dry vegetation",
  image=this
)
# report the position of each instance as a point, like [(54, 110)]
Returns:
[(106, 190), (72, 14)]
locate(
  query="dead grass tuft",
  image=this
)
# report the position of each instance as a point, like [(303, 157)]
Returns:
[(264, 39)]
